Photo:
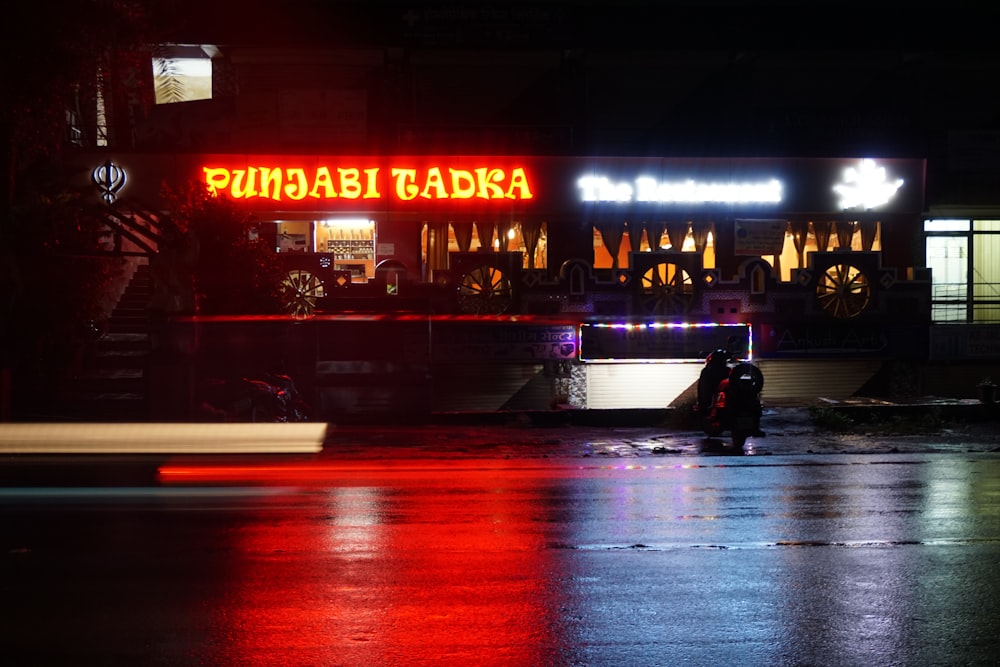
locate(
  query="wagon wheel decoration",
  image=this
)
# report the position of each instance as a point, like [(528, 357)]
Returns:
[(485, 291), (300, 289), (844, 291), (666, 289)]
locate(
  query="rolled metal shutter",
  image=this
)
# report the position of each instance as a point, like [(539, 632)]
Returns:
[(638, 385), (808, 379)]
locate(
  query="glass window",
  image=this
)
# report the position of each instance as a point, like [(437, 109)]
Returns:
[(964, 258), (946, 225), (986, 272), (986, 313), (948, 259), (516, 237), (182, 74), (602, 253), (636, 238), (793, 257)]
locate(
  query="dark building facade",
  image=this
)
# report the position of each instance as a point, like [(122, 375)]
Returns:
[(516, 206)]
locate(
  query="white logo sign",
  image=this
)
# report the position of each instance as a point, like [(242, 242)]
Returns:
[(866, 186), (648, 190), (109, 179)]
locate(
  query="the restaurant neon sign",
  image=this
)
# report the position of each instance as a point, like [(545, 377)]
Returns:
[(325, 182), (645, 189)]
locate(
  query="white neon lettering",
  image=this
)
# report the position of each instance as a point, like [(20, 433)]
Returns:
[(649, 190), (599, 188)]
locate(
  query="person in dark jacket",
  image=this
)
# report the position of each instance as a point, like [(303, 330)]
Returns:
[(715, 371)]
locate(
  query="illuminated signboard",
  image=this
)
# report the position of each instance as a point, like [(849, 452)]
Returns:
[(866, 186), (109, 179), (688, 191), (663, 341), (751, 188), (355, 182), (863, 184)]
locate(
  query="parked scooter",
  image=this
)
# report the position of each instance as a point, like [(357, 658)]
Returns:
[(275, 399), (729, 398), (272, 397)]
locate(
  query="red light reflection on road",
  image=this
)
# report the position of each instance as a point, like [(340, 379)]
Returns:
[(402, 566)]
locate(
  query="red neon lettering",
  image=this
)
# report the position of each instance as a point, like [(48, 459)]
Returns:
[(244, 183), (216, 178), (435, 182), (371, 181), (270, 183), (351, 186), (463, 184), (519, 182), (296, 183), (297, 187), (403, 183), (324, 182), (488, 189)]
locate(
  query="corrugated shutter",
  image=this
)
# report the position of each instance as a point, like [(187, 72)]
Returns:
[(641, 385), (807, 379), (487, 387)]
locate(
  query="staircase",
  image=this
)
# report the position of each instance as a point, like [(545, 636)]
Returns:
[(111, 386)]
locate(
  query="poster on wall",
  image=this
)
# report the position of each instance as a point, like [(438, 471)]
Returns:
[(760, 237)]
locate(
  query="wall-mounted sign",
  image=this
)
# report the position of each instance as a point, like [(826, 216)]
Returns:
[(324, 182), (645, 189), (461, 343), (788, 185), (866, 186), (759, 237), (109, 179), (841, 339), (662, 341), (557, 187)]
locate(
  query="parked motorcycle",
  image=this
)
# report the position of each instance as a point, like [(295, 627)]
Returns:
[(729, 398), (272, 397)]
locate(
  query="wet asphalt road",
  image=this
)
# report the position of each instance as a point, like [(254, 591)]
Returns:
[(789, 431), (509, 546)]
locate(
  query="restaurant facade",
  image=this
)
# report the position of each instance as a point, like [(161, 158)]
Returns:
[(479, 282)]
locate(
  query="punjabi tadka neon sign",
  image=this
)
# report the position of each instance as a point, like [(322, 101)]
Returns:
[(369, 183)]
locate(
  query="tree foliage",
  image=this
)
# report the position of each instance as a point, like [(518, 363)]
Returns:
[(58, 293), (56, 59), (235, 271)]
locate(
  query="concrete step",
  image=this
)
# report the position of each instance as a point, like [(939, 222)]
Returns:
[(112, 384), (132, 306), (128, 324), (120, 358), (114, 380), (123, 341), (135, 304)]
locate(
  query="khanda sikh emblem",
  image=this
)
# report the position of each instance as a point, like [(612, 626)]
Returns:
[(109, 179)]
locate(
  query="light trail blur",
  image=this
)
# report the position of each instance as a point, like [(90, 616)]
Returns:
[(165, 438)]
